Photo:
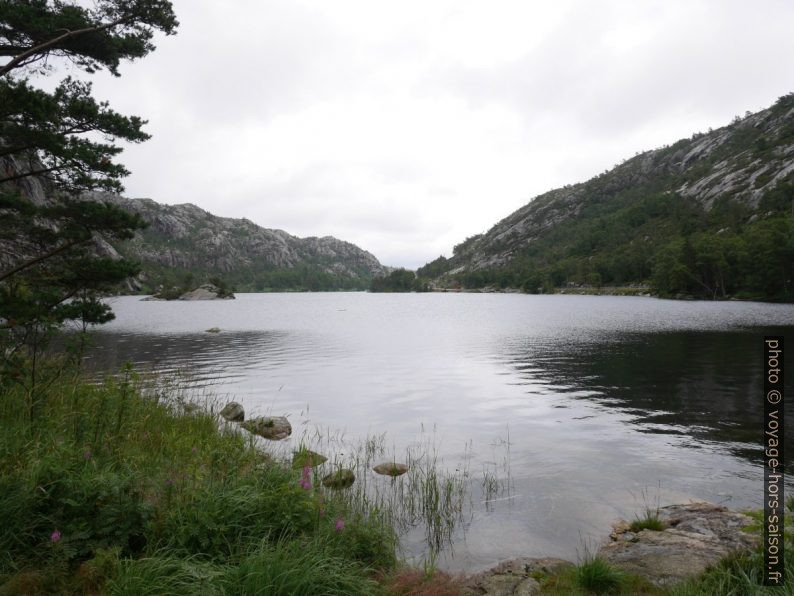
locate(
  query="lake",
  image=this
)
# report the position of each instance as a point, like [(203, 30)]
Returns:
[(583, 407)]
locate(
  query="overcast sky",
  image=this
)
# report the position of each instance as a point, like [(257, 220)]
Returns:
[(405, 127)]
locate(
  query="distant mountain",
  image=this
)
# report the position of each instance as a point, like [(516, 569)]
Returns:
[(709, 216), (184, 241)]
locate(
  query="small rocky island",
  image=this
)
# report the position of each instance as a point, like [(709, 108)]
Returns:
[(208, 291)]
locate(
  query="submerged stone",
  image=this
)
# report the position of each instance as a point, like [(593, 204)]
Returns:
[(339, 479), (190, 408), (274, 428), (306, 457), (233, 412), (391, 469)]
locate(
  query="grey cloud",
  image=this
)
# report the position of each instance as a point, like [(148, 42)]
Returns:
[(242, 80)]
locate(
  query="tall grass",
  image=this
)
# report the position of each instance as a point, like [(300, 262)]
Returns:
[(650, 518), (743, 573), (428, 498), (281, 569), (118, 486)]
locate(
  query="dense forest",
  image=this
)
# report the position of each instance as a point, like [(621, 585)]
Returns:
[(399, 280)]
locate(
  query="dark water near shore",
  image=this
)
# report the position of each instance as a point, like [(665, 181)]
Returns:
[(579, 404)]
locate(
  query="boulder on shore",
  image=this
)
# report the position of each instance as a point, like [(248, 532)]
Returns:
[(514, 577), (233, 412), (274, 428), (696, 536)]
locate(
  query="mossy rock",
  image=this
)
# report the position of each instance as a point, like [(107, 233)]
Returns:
[(339, 479), (274, 428), (390, 469), (233, 412), (306, 457), (213, 330)]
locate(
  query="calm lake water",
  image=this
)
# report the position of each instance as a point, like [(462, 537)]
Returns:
[(578, 404)]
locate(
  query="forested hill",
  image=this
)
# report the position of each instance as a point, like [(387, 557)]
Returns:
[(184, 244), (709, 216)]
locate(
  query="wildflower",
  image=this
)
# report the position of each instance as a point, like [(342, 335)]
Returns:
[(55, 536), (340, 524), (306, 478)]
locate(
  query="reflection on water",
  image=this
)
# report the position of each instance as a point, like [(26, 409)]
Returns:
[(208, 357), (705, 385), (576, 404)]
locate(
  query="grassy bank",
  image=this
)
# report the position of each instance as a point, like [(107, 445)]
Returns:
[(107, 490)]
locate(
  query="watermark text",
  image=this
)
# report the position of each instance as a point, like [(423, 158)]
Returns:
[(774, 499)]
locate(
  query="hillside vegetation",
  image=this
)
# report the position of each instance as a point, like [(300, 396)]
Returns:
[(711, 216)]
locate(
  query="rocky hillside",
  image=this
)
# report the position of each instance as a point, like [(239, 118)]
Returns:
[(184, 240), (682, 218)]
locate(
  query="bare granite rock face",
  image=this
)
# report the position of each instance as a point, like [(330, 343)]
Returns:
[(186, 236), (697, 535)]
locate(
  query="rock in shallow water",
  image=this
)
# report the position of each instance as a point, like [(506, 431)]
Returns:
[(233, 412), (306, 457), (391, 469), (339, 479), (274, 428)]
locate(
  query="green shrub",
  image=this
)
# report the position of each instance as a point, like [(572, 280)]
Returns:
[(92, 509), (89, 509), (367, 541)]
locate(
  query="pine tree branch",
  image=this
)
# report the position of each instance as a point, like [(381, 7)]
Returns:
[(20, 58)]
